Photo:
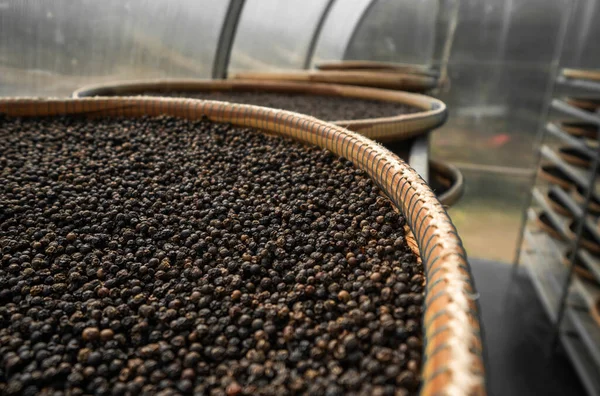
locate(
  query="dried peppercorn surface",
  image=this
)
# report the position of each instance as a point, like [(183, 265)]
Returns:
[(159, 255), (332, 108)]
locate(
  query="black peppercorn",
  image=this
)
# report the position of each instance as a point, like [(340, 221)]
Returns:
[(158, 255)]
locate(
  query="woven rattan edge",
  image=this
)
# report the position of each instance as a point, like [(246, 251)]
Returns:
[(395, 128), (453, 363), (552, 179), (583, 74), (395, 80), (579, 270), (592, 246), (558, 207), (589, 103), (451, 172), (565, 155), (594, 208), (577, 129), (412, 242), (548, 228), (595, 312), (377, 66)]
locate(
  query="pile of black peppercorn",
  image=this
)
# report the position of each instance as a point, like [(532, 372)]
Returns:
[(165, 256), (331, 108)]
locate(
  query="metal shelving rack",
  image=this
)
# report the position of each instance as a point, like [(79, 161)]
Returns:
[(565, 296)]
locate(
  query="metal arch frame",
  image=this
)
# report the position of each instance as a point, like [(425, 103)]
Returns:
[(359, 22), (226, 38), (441, 55), (229, 32), (312, 46), (370, 6)]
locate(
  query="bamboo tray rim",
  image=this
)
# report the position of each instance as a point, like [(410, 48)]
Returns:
[(584, 102), (579, 268), (456, 177), (583, 74), (452, 357), (396, 127), (391, 80), (373, 74), (413, 68)]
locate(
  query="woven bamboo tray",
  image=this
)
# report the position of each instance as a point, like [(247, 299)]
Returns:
[(580, 268), (579, 129), (554, 175), (587, 239), (378, 66), (574, 156), (453, 363), (544, 224), (557, 205), (578, 195), (595, 312), (449, 179), (401, 127), (591, 103), (377, 79), (583, 74)]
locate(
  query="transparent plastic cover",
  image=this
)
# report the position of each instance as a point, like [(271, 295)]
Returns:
[(274, 34), (53, 47)]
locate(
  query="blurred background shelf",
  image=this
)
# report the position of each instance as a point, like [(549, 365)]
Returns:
[(567, 298), (578, 333)]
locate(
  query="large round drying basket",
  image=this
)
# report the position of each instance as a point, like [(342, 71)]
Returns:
[(432, 112), (378, 66), (452, 363), (372, 78), (583, 74), (588, 103), (447, 181)]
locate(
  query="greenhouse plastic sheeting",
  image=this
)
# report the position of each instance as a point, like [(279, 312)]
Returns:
[(274, 34), (397, 31), (338, 28), (52, 47)]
